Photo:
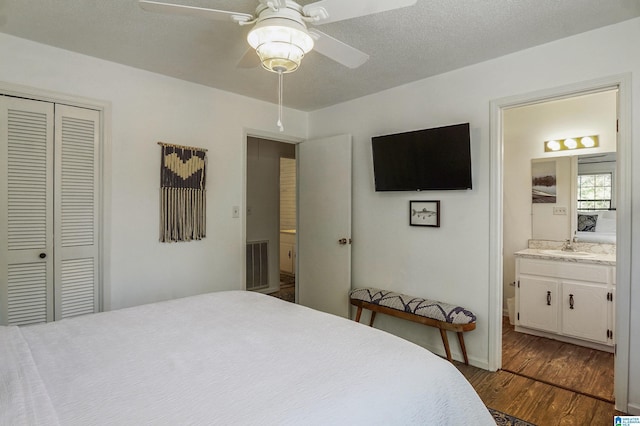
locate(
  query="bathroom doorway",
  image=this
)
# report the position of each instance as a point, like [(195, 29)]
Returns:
[(525, 128)]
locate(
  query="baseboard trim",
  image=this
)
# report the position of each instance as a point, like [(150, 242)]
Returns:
[(267, 290), (634, 409), (566, 339), (457, 356)]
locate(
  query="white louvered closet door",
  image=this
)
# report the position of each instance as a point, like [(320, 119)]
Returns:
[(26, 200), (75, 212), (49, 195)]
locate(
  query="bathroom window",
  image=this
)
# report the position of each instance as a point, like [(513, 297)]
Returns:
[(594, 191)]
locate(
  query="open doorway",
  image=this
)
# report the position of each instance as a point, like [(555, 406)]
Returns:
[(543, 350), (271, 217)]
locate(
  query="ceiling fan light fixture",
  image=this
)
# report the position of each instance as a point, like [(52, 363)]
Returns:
[(280, 43)]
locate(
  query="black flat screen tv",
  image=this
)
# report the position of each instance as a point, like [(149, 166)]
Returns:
[(422, 160)]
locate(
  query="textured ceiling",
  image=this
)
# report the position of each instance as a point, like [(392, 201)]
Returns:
[(405, 45)]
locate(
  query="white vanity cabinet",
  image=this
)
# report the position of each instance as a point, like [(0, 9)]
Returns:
[(538, 303), (288, 252), (585, 313), (566, 300)]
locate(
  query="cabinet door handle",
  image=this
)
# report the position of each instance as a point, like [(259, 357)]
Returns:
[(571, 301), (289, 254), (549, 298)]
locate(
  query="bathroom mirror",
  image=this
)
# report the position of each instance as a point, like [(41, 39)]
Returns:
[(595, 218), (568, 188)]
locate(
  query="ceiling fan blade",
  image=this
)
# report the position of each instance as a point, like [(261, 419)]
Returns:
[(338, 51), (250, 59), (200, 12), (338, 10)]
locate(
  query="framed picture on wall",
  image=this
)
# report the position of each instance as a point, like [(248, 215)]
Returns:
[(543, 181), (424, 213)]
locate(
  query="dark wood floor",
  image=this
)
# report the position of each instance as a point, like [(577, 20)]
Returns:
[(540, 402), (572, 367)]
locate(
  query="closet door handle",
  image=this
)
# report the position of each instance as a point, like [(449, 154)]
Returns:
[(571, 301), (42, 255), (549, 298)]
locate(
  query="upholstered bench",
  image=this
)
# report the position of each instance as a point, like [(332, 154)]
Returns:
[(443, 316)]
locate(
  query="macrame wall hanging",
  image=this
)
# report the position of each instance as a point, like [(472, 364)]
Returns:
[(182, 193)]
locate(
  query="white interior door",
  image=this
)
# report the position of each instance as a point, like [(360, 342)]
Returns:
[(324, 219), (26, 225), (77, 175)]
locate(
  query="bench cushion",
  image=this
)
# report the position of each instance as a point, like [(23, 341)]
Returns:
[(416, 305)]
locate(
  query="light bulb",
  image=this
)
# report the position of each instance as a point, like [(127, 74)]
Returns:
[(588, 142), (553, 145)]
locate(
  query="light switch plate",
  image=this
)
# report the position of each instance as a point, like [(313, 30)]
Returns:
[(562, 211)]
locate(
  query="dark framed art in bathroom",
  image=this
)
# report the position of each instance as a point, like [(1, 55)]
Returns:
[(424, 213)]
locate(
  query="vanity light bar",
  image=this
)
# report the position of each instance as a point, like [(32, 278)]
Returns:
[(571, 143)]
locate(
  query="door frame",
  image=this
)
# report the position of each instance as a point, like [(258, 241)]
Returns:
[(623, 264), (104, 187), (260, 134)]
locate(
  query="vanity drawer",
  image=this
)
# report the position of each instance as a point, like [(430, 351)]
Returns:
[(567, 270)]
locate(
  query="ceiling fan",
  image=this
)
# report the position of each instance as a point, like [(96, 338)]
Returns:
[(280, 35)]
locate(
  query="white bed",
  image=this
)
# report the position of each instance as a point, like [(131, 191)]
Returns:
[(604, 230), (228, 358)]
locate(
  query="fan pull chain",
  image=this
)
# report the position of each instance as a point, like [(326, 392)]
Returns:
[(279, 123)]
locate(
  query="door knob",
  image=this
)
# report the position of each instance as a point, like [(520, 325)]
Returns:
[(342, 241), (43, 255)]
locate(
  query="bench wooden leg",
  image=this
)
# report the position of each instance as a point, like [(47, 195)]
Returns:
[(358, 313), (373, 317), (463, 348), (445, 341)]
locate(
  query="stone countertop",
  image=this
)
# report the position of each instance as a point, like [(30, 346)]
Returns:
[(608, 259)]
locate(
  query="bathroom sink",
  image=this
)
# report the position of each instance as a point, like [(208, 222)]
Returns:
[(567, 253)]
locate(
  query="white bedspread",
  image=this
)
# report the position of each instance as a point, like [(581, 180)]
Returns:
[(229, 358), (23, 398), (596, 237)]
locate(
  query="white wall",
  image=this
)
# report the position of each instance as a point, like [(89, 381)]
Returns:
[(525, 130), (451, 262), (147, 108)]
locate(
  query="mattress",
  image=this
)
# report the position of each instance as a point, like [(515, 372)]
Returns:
[(227, 358), (596, 237)]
